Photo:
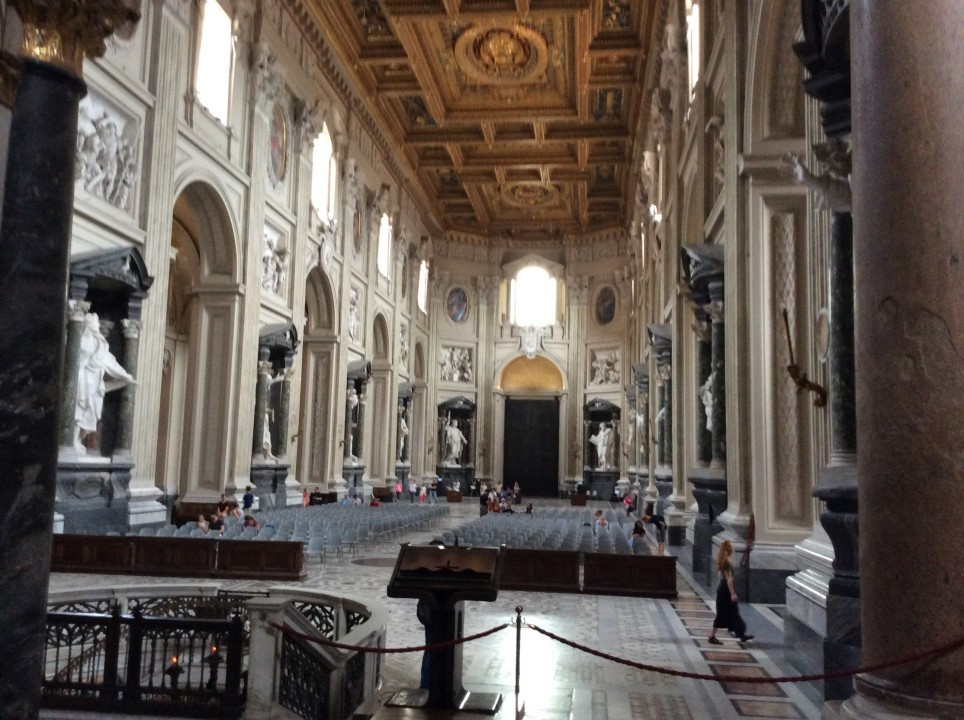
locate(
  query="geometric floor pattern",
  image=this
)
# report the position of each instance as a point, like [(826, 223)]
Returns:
[(558, 682)]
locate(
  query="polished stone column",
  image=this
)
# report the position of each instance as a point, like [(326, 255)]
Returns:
[(34, 250), (704, 367), (351, 401), (360, 432), (666, 373), (908, 181), (284, 407), (261, 402), (843, 425), (399, 439), (125, 413), (718, 372), (76, 311), (37, 212)]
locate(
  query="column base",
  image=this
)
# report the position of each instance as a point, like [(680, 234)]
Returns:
[(862, 707), (268, 481), (293, 493), (145, 508)]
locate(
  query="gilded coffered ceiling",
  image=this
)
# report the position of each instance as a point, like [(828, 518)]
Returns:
[(517, 116)]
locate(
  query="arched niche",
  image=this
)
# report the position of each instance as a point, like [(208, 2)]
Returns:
[(381, 337), (419, 367), (319, 304), (523, 375), (203, 214)]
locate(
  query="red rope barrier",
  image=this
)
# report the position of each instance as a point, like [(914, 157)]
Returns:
[(933, 652), (386, 651)]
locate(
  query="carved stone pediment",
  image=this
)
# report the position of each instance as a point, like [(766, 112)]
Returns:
[(281, 336), (661, 338), (701, 264), (114, 272)]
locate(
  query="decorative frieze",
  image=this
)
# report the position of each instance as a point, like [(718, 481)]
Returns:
[(604, 367), (455, 364)]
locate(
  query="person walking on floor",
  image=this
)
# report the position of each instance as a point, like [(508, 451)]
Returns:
[(412, 490), (727, 611)]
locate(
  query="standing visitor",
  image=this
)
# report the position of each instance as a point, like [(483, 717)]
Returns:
[(727, 610)]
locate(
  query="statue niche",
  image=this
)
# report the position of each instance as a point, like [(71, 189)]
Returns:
[(456, 444), (601, 427)]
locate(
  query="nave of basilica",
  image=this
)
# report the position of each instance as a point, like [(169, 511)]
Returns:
[(700, 251)]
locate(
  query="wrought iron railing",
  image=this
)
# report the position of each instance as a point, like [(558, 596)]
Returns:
[(135, 664), (305, 681)]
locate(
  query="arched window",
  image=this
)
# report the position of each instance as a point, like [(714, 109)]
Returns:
[(212, 81), (423, 286), (324, 174), (692, 43), (384, 259), (533, 298)]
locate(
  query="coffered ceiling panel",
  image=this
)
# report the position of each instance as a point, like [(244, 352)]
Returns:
[(516, 115)]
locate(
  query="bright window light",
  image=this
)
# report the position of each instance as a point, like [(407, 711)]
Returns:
[(213, 80), (321, 175), (693, 43), (384, 259), (534, 299), (423, 286)]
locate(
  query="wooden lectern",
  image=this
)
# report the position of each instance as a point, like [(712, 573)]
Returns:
[(444, 577)]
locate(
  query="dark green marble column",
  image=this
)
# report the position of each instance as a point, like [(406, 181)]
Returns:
[(125, 419), (260, 404), (76, 310), (34, 248), (284, 406), (718, 351)]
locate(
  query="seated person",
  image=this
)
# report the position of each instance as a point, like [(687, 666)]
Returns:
[(316, 497), (638, 530), (216, 523), (234, 511), (251, 521), (356, 500), (223, 505), (629, 502), (375, 502), (202, 523), (306, 498), (529, 509), (346, 500), (599, 521)]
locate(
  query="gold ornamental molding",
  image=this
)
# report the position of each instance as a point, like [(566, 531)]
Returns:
[(62, 32), (501, 55)]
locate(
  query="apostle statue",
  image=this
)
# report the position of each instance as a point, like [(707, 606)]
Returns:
[(603, 440), (454, 442), (98, 374)]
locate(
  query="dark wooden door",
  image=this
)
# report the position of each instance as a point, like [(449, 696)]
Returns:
[(531, 454)]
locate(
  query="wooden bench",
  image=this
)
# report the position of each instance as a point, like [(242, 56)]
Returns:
[(180, 557)]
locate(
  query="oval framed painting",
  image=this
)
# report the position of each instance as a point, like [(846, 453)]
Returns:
[(278, 143), (457, 305), (604, 308)]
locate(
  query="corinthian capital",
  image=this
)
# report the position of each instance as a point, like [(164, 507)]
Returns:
[(62, 32), (309, 117), (267, 77)]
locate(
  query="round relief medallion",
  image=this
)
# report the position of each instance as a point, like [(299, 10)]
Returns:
[(278, 143), (501, 55), (457, 305), (605, 306), (529, 194)]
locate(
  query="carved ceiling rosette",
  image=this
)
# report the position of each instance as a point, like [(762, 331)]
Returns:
[(501, 55)]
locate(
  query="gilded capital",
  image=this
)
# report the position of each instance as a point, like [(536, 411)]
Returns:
[(63, 32)]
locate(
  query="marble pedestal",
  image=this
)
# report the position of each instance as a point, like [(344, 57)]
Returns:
[(354, 476), (709, 491), (663, 479), (599, 484), (402, 472), (93, 495), (464, 476), (268, 481)]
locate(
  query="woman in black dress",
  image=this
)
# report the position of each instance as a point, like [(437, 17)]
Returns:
[(727, 612)]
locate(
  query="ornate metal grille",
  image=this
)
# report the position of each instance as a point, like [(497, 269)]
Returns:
[(305, 681), (322, 617), (354, 618)]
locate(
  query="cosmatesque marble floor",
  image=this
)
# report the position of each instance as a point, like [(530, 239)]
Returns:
[(560, 683)]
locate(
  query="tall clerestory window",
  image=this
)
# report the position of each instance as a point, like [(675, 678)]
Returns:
[(324, 176), (212, 81), (384, 259), (423, 286), (692, 44), (532, 295)]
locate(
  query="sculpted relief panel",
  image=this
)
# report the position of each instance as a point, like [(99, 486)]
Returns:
[(108, 152)]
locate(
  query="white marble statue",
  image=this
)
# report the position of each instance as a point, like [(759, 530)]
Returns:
[(833, 193), (454, 442), (352, 401), (354, 317), (402, 437), (98, 373), (603, 440), (705, 392)]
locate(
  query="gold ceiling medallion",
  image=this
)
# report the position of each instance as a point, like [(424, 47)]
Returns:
[(501, 55), (529, 194)]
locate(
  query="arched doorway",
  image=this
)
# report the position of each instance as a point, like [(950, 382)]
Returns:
[(533, 391), (203, 309), (318, 390), (381, 467)]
